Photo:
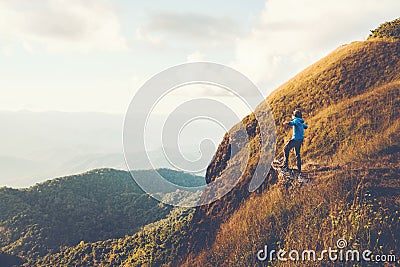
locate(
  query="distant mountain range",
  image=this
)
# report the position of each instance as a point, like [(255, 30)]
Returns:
[(35, 146)]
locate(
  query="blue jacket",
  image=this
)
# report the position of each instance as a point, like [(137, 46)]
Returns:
[(298, 128)]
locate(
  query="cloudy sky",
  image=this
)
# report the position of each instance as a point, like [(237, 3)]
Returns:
[(91, 55)]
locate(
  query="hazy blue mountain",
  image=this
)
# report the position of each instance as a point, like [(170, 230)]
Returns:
[(35, 146)]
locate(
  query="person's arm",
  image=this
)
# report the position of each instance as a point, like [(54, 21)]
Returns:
[(305, 126), (288, 123)]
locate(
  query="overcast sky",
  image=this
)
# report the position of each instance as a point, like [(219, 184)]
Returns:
[(92, 55)]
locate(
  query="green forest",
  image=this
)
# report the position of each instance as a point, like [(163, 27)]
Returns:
[(96, 205)]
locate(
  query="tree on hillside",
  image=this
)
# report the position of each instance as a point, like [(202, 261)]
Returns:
[(389, 29)]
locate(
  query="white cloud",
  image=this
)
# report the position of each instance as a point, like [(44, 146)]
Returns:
[(195, 56), (143, 35), (292, 34), (7, 51), (78, 25), (183, 28)]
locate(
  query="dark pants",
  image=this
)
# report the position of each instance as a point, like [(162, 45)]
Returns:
[(296, 144)]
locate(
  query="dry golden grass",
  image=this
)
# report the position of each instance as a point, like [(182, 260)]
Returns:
[(357, 129), (347, 72), (351, 101), (338, 205)]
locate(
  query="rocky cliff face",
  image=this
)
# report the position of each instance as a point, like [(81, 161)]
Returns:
[(228, 167)]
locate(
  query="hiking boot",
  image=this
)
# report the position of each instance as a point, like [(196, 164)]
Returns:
[(301, 180), (283, 166)]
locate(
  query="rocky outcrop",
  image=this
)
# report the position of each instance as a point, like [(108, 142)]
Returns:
[(225, 166)]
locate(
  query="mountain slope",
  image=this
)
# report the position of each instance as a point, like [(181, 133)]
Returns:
[(359, 205), (372, 131), (349, 71), (96, 205), (351, 102), (157, 244)]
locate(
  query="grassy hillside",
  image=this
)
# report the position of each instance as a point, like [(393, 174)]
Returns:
[(351, 101), (348, 72), (359, 129), (390, 29), (346, 203), (96, 205)]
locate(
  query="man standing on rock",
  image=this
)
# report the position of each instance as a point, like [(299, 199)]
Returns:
[(297, 139)]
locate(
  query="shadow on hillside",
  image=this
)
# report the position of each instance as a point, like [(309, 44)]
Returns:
[(8, 260)]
